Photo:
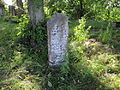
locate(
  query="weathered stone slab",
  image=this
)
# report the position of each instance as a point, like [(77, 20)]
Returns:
[(57, 28)]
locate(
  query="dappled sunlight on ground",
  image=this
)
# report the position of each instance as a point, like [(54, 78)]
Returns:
[(92, 64)]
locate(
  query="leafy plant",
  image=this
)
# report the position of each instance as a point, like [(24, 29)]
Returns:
[(12, 19), (80, 35), (107, 34)]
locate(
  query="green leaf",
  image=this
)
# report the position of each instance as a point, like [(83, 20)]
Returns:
[(62, 78), (49, 84)]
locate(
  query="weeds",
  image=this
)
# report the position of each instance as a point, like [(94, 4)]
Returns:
[(106, 35), (92, 65)]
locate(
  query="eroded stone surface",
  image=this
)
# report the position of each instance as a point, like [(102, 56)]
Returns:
[(57, 28)]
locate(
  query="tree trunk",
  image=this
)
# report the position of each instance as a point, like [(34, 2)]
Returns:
[(80, 9), (1, 10), (36, 11), (12, 10), (20, 7), (20, 4)]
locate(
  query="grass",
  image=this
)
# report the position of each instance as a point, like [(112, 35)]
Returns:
[(95, 67), (15, 60), (100, 60)]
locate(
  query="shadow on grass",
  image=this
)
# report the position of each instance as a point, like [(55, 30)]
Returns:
[(21, 65), (73, 77)]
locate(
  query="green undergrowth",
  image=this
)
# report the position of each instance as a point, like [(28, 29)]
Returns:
[(21, 63), (93, 61)]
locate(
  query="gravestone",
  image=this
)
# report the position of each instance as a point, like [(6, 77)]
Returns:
[(57, 28), (12, 10), (1, 10)]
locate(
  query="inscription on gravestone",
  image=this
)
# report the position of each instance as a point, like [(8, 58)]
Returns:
[(57, 28)]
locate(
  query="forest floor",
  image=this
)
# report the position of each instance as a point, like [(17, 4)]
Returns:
[(97, 69)]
